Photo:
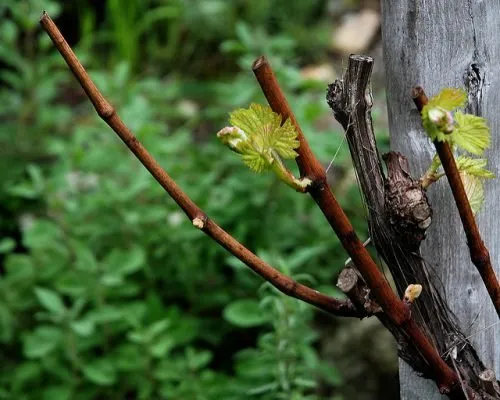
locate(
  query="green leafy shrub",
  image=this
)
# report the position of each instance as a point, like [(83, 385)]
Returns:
[(106, 291)]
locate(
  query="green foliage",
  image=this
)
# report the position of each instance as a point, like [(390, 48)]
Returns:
[(284, 364), (30, 84), (260, 138), (245, 313), (473, 171), (471, 133), (183, 35), (436, 116), (475, 191), (467, 132), (106, 291), (449, 99), (474, 167)]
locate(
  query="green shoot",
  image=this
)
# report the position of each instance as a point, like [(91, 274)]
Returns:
[(465, 132), (263, 142)]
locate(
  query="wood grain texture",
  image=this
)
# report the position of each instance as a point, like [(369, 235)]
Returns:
[(438, 44)]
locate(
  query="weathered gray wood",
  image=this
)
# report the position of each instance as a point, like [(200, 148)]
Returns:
[(436, 44)]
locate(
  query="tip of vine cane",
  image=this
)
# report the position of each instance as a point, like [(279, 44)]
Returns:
[(259, 62), (43, 16), (417, 91)]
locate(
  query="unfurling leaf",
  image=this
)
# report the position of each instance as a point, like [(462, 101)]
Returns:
[(255, 160), (437, 122), (472, 172), (257, 133), (466, 131), (232, 137), (436, 115), (442, 119), (265, 131), (474, 166), (471, 133), (449, 99), (473, 186)]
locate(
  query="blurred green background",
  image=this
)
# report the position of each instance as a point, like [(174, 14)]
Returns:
[(106, 290)]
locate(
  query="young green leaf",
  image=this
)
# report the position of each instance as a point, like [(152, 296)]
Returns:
[(474, 166), (473, 171), (262, 140), (43, 340), (265, 131), (436, 116), (449, 99), (468, 132), (101, 372), (245, 313), (257, 134), (471, 133), (232, 137), (50, 300), (256, 160), (437, 122), (474, 189)]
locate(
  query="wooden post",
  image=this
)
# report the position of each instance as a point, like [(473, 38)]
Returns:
[(436, 44)]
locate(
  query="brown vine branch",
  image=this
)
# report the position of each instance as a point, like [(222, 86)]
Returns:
[(479, 254), (199, 219), (397, 312)]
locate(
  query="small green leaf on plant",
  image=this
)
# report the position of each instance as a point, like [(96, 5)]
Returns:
[(262, 140), (101, 372), (50, 300), (264, 126), (436, 115), (161, 346), (83, 327), (7, 245), (197, 359), (474, 189), (449, 99), (258, 134), (471, 133), (472, 172), (41, 341), (474, 166), (437, 122), (245, 313)]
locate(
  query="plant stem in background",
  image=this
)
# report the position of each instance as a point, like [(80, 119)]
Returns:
[(199, 219), (479, 254)]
